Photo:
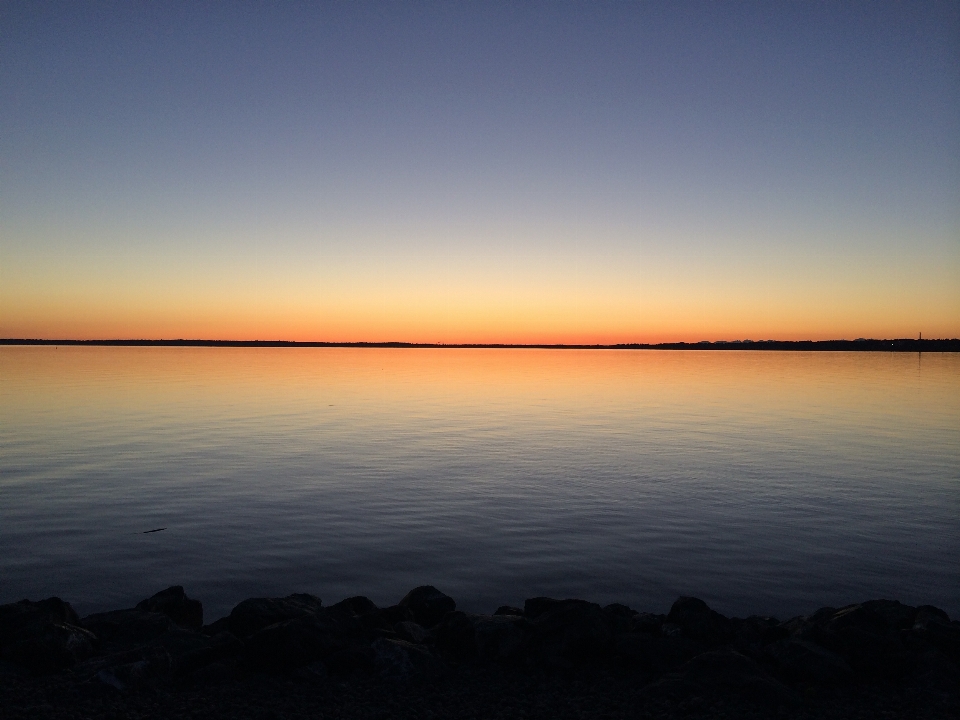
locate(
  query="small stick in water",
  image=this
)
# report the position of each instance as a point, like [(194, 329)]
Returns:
[(147, 532)]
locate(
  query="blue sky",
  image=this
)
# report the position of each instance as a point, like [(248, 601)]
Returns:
[(480, 171)]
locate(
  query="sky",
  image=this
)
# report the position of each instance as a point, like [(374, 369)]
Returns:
[(480, 172)]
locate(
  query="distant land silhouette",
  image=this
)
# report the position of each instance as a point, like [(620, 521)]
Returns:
[(860, 345)]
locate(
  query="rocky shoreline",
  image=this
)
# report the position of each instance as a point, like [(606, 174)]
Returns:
[(295, 657)]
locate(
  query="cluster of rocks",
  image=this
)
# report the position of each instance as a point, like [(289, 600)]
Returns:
[(690, 651)]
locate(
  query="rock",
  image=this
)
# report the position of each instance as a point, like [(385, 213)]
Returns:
[(929, 613), (455, 637), (802, 661), (619, 617), (396, 613), (752, 634), (315, 672), (932, 625), (129, 627), (358, 605), (142, 647), (365, 612), (334, 638), (671, 630), (44, 636), (462, 637), (174, 603), (190, 652), (17, 616), (508, 610), (292, 643), (501, 638), (397, 659), (216, 673), (866, 635), (720, 673), (535, 607), (224, 646), (410, 632), (700, 623), (351, 658), (568, 632), (646, 623), (257, 613), (632, 648), (376, 624), (655, 654), (217, 627), (130, 675), (428, 605), (890, 614)]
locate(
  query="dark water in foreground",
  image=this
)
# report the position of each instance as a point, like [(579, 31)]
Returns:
[(761, 481)]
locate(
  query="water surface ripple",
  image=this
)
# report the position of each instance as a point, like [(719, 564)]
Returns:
[(764, 482)]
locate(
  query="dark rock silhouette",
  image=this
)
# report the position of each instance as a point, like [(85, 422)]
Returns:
[(700, 623), (129, 627), (174, 603), (569, 632), (691, 653), (411, 632), (257, 613), (803, 661), (428, 605), (723, 673), (324, 637), (44, 636)]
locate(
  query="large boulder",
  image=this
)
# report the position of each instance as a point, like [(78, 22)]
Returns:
[(333, 638), (700, 623), (411, 632), (501, 638), (537, 606), (751, 635), (720, 673), (398, 659), (357, 605), (396, 614), (198, 652), (364, 611), (428, 605), (568, 632), (44, 636), (456, 638), (127, 675), (620, 618), (655, 653), (174, 603), (933, 626), (141, 647), (255, 614), (129, 627), (803, 661), (645, 622), (463, 637), (867, 635), (20, 615)]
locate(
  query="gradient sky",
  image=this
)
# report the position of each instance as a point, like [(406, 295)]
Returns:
[(480, 172)]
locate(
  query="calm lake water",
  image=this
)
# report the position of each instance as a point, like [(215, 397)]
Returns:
[(763, 482)]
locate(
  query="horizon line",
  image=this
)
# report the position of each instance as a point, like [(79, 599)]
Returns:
[(859, 344)]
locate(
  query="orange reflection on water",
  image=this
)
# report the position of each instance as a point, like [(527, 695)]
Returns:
[(440, 380)]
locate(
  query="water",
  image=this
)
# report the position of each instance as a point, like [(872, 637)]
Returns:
[(763, 482)]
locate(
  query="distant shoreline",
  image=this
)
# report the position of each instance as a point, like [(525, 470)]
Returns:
[(866, 345)]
